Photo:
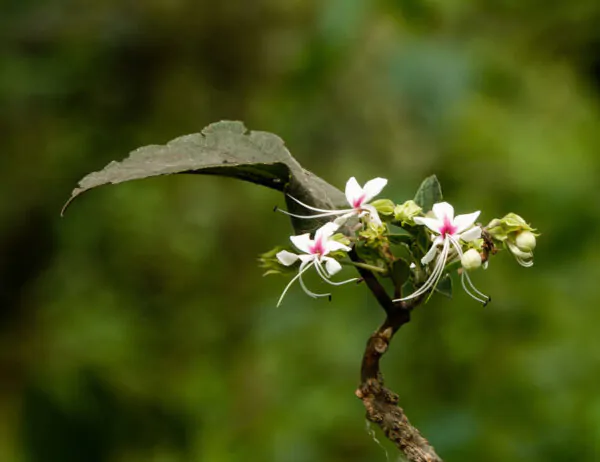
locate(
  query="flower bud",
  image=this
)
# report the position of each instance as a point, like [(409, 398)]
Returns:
[(471, 260), (516, 234), (383, 206), (501, 229), (405, 213), (525, 241)]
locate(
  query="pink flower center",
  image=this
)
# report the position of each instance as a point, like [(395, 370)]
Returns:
[(317, 248), (447, 227), (357, 203)]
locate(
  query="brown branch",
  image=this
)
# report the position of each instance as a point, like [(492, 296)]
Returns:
[(373, 284), (381, 403)]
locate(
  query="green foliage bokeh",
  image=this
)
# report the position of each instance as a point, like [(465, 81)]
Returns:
[(139, 328)]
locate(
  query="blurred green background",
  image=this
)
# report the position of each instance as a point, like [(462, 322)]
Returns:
[(139, 327)]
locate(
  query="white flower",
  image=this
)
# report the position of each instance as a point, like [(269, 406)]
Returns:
[(315, 254), (448, 231), (358, 197)]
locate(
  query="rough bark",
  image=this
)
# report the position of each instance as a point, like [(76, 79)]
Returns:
[(381, 403)]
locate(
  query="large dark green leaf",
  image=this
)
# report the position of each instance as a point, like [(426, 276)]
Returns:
[(429, 193), (226, 149)]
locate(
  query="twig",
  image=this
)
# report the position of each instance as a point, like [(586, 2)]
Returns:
[(373, 284)]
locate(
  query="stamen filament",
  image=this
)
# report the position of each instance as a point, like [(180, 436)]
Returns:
[(303, 267), (484, 298), (524, 263), (464, 276), (309, 292), (435, 276), (323, 273), (318, 215), (315, 209)]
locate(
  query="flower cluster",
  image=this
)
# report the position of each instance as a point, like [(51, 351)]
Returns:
[(449, 233), (316, 252), (430, 243)]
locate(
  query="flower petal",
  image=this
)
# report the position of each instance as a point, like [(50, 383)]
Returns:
[(302, 242), (373, 187), (326, 231), (306, 258), (332, 246), (332, 265), (462, 222), (286, 258), (353, 191), (343, 220), (373, 215), (432, 223), (518, 252), (443, 211), (471, 234), (433, 250)]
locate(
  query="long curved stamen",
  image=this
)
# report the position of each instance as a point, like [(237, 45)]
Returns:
[(484, 298), (524, 263), (309, 292), (321, 272), (438, 270), (303, 267), (318, 215), (435, 276), (315, 209), (464, 276)]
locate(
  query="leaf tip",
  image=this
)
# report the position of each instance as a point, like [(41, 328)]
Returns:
[(74, 194)]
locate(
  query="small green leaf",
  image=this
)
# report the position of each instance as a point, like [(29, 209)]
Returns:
[(401, 239), (444, 287), (400, 273), (269, 262), (403, 251), (422, 242), (429, 193), (227, 149)]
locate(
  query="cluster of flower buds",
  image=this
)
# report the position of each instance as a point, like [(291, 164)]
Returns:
[(427, 244), (516, 234)]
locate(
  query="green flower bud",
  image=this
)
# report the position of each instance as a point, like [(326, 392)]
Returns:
[(405, 213), (471, 260), (516, 234), (383, 206), (514, 220), (508, 227)]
